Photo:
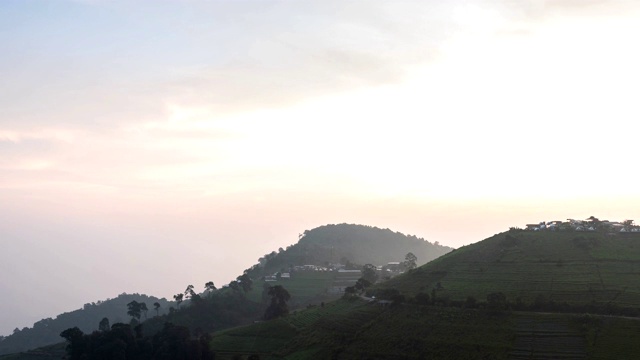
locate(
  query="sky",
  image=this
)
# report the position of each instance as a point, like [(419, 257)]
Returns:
[(149, 145)]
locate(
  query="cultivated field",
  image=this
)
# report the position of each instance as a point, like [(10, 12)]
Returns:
[(571, 267)]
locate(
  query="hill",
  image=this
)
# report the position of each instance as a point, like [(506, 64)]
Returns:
[(348, 243), (572, 268), (47, 331), (352, 244), (551, 281)]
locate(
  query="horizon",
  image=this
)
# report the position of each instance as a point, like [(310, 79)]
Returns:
[(146, 146)]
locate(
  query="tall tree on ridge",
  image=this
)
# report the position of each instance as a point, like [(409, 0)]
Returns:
[(104, 325), (134, 309), (178, 298), (278, 307), (410, 261)]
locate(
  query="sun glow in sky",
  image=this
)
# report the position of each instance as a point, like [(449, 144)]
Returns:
[(145, 146)]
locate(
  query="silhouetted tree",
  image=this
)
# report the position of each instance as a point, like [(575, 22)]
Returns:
[(278, 307), (189, 292), (209, 286), (178, 298), (75, 342), (362, 284), (156, 307), (144, 309), (234, 285), (369, 273), (410, 261), (349, 292), (104, 325), (134, 309), (245, 282)]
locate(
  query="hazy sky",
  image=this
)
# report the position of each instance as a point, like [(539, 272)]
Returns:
[(149, 145)]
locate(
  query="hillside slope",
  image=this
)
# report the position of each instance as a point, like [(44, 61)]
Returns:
[(358, 244), (571, 267), (568, 272), (366, 330)]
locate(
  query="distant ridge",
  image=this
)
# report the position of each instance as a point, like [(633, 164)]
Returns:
[(47, 331)]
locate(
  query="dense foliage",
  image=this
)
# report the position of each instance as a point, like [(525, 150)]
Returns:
[(87, 319), (123, 342)]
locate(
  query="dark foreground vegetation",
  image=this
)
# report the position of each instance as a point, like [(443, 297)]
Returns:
[(47, 331), (124, 342)]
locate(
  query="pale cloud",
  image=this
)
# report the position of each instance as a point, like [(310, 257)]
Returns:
[(47, 134)]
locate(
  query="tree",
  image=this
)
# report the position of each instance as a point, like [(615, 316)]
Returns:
[(134, 309), (209, 286), (278, 307), (75, 339), (369, 273), (245, 282), (628, 225), (144, 309), (349, 292), (104, 325), (189, 292), (156, 307), (178, 298), (234, 285), (362, 284), (410, 261)]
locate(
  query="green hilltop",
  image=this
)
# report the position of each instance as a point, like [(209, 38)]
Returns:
[(341, 243), (559, 266)]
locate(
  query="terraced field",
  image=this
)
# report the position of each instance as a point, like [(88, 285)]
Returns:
[(576, 269), (571, 267), (541, 336)]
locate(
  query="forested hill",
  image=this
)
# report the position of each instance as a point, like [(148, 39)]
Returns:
[(357, 244), (47, 331)]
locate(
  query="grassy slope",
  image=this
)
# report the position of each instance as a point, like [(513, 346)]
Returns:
[(572, 267), (297, 332), (564, 267), (304, 286), (358, 330)]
